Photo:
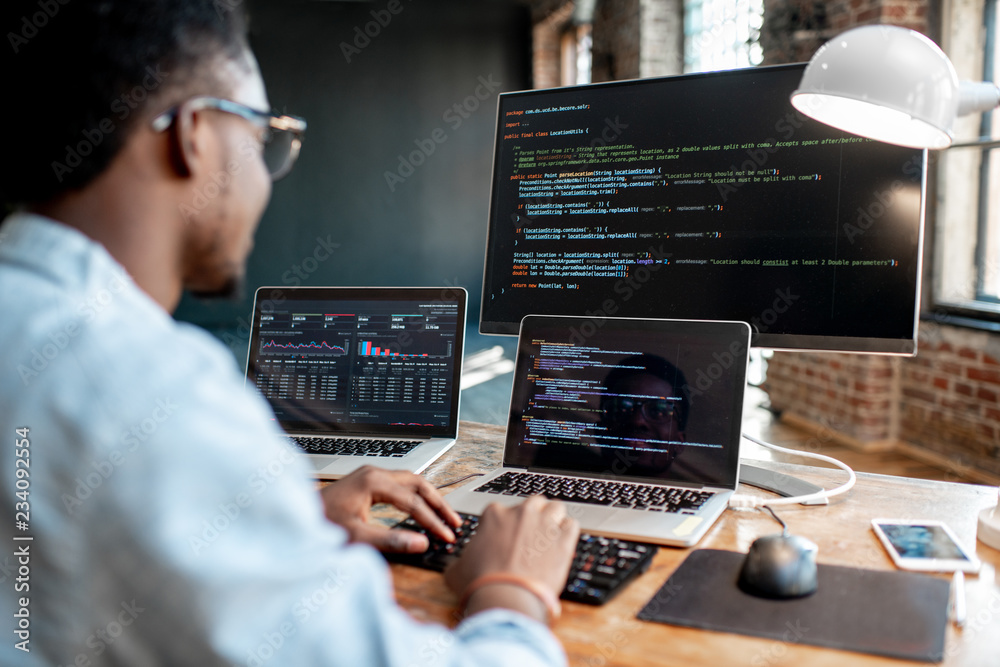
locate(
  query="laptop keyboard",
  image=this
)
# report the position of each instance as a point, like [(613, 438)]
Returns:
[(355, 446), (601, 567), (599, 492)]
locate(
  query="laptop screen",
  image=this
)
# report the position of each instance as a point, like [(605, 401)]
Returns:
[(629, 399), (374, 361)]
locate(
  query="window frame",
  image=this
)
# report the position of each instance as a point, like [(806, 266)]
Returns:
[(967, 307), (985, 130)]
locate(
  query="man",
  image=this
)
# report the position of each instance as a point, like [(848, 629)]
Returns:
[(154, 513)]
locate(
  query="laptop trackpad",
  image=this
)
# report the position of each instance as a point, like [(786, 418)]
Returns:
[(320, 462)]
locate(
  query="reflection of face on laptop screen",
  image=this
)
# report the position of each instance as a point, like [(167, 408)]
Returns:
[(628, 402), (643, 413), (358, 365)]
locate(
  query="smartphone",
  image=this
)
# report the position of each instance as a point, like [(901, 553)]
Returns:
[(926, 546)]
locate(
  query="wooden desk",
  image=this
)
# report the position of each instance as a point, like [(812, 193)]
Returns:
[(611, 635)]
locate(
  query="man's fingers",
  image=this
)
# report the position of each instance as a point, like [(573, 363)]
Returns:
[(535, 503), (571, 529), (413, 495), (389, 540), (405, 541), (405, 491), (429, 519), (555, 510), (440, 505)]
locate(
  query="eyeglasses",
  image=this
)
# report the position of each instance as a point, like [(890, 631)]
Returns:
[(281, 140), (652, 409)]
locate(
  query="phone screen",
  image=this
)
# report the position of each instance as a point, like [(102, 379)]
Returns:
[(922, 541)]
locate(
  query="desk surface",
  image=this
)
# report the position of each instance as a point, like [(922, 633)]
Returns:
[(611, 635)]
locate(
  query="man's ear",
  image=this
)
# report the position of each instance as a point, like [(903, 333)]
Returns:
[(187, 152)]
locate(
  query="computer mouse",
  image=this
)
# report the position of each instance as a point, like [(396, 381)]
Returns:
[(779, 567)]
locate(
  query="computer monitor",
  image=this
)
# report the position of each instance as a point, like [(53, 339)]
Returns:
[(703, 196)]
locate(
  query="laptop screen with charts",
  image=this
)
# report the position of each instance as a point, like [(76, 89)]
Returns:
[(361, 375), (634, 423)]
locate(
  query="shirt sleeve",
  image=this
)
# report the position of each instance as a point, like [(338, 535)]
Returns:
[(212, 535)]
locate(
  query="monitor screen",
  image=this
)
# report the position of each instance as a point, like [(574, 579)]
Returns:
[(704, 196)]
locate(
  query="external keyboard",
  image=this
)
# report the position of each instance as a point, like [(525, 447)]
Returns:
[(598, 492), (354, 446), (601, 568)]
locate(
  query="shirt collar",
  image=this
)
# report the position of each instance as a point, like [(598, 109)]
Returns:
[(53, 248)]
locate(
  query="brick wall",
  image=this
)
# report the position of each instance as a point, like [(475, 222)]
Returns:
[(942, 405), (851, 394), (616, 32), (631, 39), (950, 396), (549, 21), (794, 29), (638, 38), (661, 45), (846, 14)]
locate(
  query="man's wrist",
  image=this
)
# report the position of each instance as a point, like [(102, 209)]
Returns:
[(506, 596), (500, 589)]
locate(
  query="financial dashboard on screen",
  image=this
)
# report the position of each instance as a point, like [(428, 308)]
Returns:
[(354, 360), (703, 196)]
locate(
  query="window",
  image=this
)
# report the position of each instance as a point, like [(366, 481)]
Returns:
[(966, 262), (988, 236), (722, 34)]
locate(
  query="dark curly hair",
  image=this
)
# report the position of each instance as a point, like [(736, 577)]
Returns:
[(79, 74)]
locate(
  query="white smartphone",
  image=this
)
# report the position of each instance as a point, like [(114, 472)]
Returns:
[(926, 546)]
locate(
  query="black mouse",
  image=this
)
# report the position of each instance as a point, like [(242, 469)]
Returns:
[(780, 567)]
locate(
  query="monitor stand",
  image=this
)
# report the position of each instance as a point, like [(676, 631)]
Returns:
[(780, 483)]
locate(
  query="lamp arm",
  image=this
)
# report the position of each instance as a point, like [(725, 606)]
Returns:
[(977, 96), (982, 143)]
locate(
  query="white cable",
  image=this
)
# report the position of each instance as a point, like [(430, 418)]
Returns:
[(737, 501)]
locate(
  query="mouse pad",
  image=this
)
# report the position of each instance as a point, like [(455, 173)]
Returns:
[(895, 614)]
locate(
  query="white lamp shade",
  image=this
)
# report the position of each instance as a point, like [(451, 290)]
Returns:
[(883, 82)]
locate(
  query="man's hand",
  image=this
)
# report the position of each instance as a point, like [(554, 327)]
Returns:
[(349, 500), (535, 540)]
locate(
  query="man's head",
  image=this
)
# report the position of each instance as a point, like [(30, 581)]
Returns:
[(85, 74), (113, 105)]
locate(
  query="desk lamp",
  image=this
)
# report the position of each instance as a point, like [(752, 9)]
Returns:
[(895, 85), (891, 84), (989, 526)]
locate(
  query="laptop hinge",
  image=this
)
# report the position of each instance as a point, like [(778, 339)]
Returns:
[(613, 478)]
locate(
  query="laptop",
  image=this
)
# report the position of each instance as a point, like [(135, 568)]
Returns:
[(361, 375), (634, 423)]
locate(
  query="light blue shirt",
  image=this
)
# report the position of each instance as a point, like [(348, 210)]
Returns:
[(170, 523)]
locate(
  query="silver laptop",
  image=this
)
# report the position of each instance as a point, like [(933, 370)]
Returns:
[(361, 375), (634, 423)]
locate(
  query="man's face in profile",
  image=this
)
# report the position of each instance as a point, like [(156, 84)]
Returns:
[(220, 238), (644, 416)]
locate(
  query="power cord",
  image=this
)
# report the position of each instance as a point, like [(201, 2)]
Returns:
[(784, 527), (460, 479), (743, 501)]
